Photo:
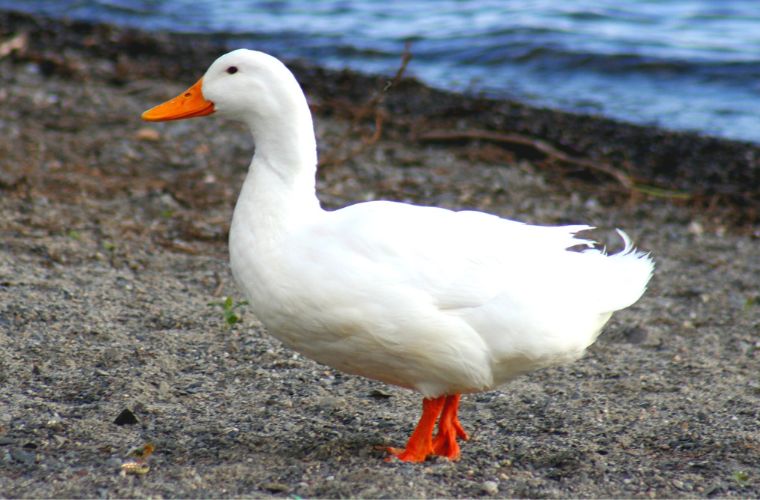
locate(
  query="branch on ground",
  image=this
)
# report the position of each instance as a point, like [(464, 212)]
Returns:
[(373, 108)]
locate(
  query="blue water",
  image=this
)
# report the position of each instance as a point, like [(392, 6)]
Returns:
[(681, 64)]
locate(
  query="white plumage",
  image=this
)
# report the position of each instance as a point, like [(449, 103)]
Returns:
[(434, 300)]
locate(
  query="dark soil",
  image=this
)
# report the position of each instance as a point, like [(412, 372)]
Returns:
[(113, 262)]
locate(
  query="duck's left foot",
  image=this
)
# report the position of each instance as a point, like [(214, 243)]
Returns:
[(407, 455), (421, 444)]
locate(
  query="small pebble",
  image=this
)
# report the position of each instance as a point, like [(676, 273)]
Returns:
[(126, 417), (147, 134), (24, 456), (490, 487), (276, 487), (54, 424), (635, 335), (134, 468), (696, 228)]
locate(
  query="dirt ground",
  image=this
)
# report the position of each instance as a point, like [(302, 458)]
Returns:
[(113, 263)]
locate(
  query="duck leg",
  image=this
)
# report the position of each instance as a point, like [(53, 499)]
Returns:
[(420, 444), (449, 429)]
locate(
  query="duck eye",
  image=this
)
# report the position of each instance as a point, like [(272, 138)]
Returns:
[(232, 70)]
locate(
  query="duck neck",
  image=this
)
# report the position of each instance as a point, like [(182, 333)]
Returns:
[(279, 190)]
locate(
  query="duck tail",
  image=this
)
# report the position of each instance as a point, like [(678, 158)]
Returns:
[(630, 269)]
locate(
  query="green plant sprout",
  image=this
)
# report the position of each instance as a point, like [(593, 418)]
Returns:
[(741, 477), (228, 310)]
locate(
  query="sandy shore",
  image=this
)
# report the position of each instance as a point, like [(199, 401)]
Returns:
[(113, 253)]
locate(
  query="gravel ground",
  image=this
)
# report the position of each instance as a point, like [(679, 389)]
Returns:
[(113, 262)]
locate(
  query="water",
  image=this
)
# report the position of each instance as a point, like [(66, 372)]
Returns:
[(681, 64)]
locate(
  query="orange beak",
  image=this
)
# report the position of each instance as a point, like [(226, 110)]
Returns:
[(188, 104)]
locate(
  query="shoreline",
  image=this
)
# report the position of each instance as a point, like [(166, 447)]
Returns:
[(709, 171)]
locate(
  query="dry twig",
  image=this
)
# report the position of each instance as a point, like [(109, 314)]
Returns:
[(542, 146), (372, 107)]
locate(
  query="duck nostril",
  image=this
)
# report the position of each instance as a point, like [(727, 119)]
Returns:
[(188, 94)]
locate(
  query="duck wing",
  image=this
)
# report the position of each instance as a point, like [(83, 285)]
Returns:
[(475, 298)]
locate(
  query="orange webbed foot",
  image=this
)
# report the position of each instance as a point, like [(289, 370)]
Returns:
[(407, 455), (421, 444), (449, 429)]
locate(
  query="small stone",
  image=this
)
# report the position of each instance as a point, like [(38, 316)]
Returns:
[(54, 424), (26, 457), (378, 394), (276, 487), (696, 228), (126, 417), (164, 389), (490, 487), (138, 468), (329, 403), (147, 134), (635, 335)]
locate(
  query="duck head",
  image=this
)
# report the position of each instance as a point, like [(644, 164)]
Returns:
[(245, 85)]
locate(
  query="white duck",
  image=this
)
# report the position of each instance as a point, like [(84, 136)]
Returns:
[(433, 300)]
